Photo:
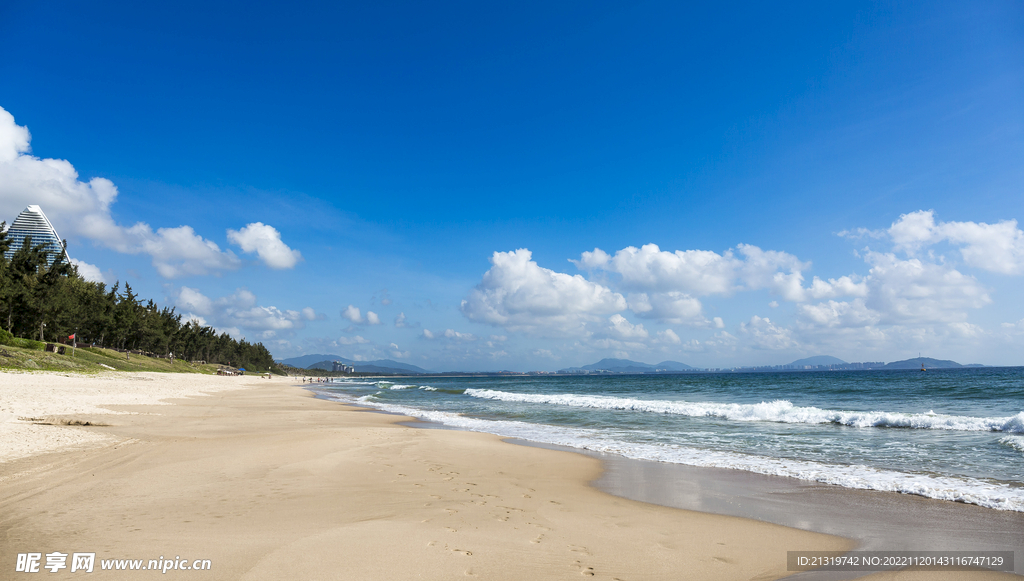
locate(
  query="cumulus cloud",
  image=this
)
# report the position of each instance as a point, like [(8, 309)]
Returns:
[(696, 272), (353, 314), (372, 318), (83, 209), (913, 290), (518, 294), (669, 336), (620, 328), (456, 335), (672, 306), (764, 334), (839, 314), (89, 272), (898, 291), (240, 313), (265, 241), (427, 334), (993, 247)]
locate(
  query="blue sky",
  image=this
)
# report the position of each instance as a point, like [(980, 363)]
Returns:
[(289, 162)]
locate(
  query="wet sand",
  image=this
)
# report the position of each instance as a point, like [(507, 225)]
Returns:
[(876, 521)]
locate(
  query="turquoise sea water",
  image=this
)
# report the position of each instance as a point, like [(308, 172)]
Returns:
[(947, 434)]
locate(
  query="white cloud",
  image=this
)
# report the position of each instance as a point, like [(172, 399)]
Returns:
[(176, 252), (266, 242), (669, 336), (673, 306), (850, 286), (427, 334), (520, 295), (900, 292), (353, 314), (83, 209), (240, 313), (993, 247), (1017, 327), (621, 328), (89, 272), (649, 269), (453, 334), (194, 301), (767, 335), (912, 290), (400, 321), (193, 318), (839, 314), (719, 323), (398, 353)]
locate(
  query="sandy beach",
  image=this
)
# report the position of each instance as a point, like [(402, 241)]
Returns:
[(267, 482)]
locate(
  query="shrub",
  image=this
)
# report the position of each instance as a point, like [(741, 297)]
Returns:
[(5, 337), (27, 344)]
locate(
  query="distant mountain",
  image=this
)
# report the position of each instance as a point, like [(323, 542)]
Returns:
[(324, 361), (818, 360), (305, 361), (627, 366), (673, 366), (927, 362)]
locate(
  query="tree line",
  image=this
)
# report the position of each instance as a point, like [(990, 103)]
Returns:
[(52, 302)]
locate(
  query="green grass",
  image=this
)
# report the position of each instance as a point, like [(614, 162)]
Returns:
[(92, 360)]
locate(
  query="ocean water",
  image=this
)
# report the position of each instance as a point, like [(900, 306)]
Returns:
[(954, 435)]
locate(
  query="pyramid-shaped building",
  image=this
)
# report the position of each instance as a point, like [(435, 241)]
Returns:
[(32, 223)]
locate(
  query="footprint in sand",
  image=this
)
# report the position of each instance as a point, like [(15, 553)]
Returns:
[(587, 571)]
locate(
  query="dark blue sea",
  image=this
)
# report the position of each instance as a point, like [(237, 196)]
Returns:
[(953, 434)]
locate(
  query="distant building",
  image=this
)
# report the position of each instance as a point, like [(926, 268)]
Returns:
[(339, 366), (32, 223)]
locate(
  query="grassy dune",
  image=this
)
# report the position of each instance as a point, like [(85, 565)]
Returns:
[(92, 360)]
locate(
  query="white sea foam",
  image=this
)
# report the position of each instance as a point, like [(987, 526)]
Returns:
[(1015, 442), (773, 411), (957, 489)]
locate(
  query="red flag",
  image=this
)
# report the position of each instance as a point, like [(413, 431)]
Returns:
[(71, 337)]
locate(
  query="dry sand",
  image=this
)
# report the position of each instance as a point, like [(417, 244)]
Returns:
[(269, 483)]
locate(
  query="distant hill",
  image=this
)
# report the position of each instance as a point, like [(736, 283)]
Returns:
[(324, 361), (927, 362), (627, 366), (304, 361), (673, 366), (818, 360)]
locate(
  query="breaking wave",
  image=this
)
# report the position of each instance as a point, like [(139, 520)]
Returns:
[(773, 411)]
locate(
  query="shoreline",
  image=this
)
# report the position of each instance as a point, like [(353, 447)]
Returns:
[(269, 485), (874, 520)]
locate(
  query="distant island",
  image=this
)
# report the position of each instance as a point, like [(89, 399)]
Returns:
[(328, 365), (815, 363), (627, 366), (325, 362)]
